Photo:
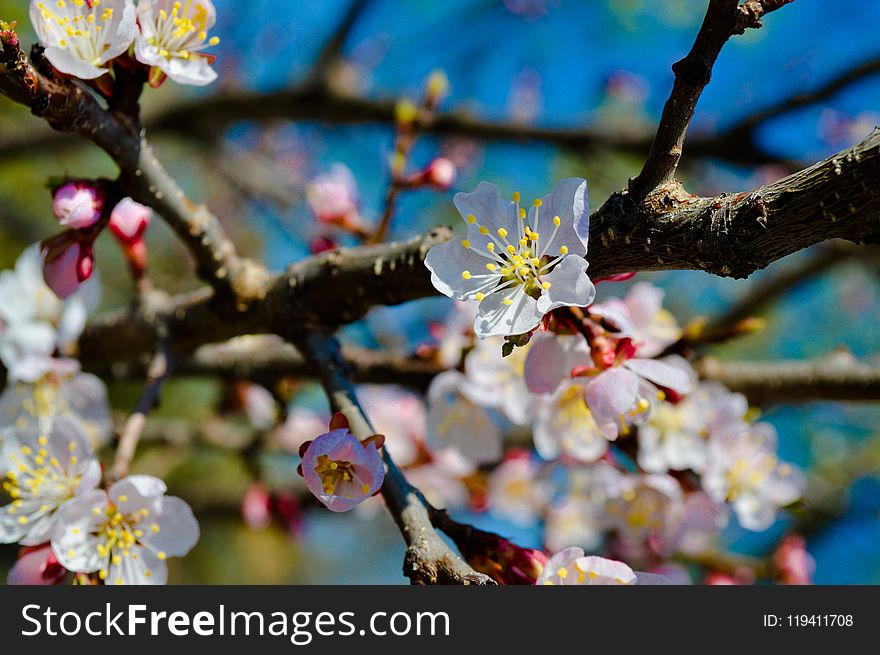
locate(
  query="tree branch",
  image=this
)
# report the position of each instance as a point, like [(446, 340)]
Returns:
[(428, 559), (332, 49), (130, 436), (723, 19), (837, 376), (67, 107), (731, 235)]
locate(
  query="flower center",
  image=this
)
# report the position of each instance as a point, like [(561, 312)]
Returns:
[(83, 32), (37, 476), (336, 472), (117, 535), (515, 261), (182, 32)]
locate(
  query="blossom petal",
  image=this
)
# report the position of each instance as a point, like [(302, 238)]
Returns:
[(173, 529), (609, 396), (568, 200), (661, 373), (447, 263), (569, 285), (139, 567), (495, 318)]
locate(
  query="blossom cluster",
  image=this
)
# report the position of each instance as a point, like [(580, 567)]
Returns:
[(53, 420), (85, 38)]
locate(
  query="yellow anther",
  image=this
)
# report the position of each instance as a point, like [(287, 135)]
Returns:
[(516, 196), (508, 302), (511, 249), (491, 267), (502, 233), (471, 219), (365, 489), (562, 572), (537, 202), (466, 275), (161, 555), (465, 244), (522, 212), (490, 247), (545, 285), (557, 221), (661, 395), (123, 499), (563, 250), (484, 230), (479, 296)]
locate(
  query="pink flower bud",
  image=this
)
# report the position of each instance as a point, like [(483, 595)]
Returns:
[(341, 471), (129, 220), (440, 173), (78, 205), (37, 566), (67, 264)]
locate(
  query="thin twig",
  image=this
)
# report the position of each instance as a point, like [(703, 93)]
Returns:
[(130, 435), (428, 559)]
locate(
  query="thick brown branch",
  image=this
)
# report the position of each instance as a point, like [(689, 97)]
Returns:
[(731, 235), (428, 559)]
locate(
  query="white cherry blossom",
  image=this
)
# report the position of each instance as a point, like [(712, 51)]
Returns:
[(125, 534), (82, 36), (518, 265)]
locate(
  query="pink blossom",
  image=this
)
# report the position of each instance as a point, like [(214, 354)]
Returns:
[(617, 396), (78, 205), (341, 471), (129, 220)]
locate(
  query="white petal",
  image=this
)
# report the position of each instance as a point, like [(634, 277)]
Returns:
[(447, 261), (490, 210), (661, 373), (494, 318), (568, 200), (66, 62), (547, 363), (178, 529), (141, 567), (610, 395), (569, 285), (73, 542)]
